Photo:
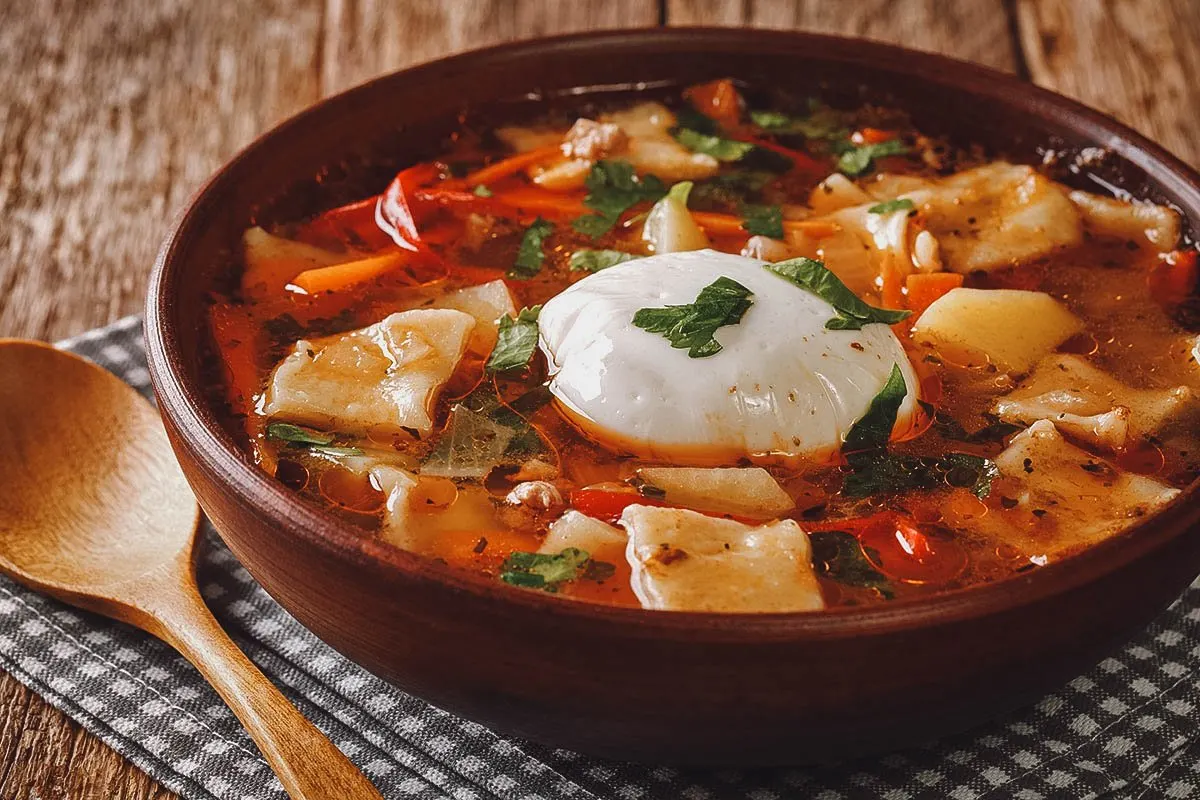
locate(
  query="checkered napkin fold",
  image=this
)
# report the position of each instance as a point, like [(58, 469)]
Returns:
[(1127, 729)]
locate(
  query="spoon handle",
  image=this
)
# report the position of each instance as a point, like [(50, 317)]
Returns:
[(308, 765)]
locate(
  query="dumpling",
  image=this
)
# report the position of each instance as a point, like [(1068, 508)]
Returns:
[(686, 561), (385, 375)]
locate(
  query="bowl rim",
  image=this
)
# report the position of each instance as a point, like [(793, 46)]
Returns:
[(182, 404)]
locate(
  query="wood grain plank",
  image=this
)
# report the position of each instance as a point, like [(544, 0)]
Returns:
[(977, 30), (365, 38), (117, 112), (1136, 59)]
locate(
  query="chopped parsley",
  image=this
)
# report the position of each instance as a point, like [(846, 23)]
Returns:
[(949, 428), (530, 254), (892, 206), (856, 160), (613, 188), (839, 556), (881, 472), (516, 341), (874, 470), (718, 147), (821, 123), (308, 439), (815, 277), (874, 428), (543, 570), (722, 302), (481, 191), (596, 260), (762, 220)]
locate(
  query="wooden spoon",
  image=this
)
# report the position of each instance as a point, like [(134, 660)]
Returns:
[(95, 511)]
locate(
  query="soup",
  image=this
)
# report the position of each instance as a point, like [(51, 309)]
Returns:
[(706, 353)]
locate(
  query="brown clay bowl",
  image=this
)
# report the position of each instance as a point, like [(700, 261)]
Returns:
[(677, 687)]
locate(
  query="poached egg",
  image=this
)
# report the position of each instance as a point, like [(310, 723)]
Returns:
[(782, 388)]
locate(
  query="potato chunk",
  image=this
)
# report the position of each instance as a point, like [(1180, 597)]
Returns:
[(487, 303), (385, 375), (1010, 328), (749, 491), (272, 262), (1069, 498), (1089, 404), (685, 561), (574, 529)]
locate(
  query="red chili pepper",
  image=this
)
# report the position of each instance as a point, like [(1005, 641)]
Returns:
[(608, 505), (897, 546), (800, 160), (398, 212), (353, 223)]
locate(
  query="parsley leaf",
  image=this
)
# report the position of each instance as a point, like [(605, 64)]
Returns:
[(815, 277), (481, 191), (308, 439), (613, 188), (838, 556), (874, 428), (286, 432), (596, 260), (762, 220), (880, 472), (854, 161), (530, 255), (689, 117), (822, 123), (891, 206), (722, 302), (543, 570), (949, 428), (711, 145), (517, 340)]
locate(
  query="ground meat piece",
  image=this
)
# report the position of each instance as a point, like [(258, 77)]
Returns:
[(538, 495), (593, 140)]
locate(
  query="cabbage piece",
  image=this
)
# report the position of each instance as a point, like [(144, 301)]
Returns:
[(483, 434)]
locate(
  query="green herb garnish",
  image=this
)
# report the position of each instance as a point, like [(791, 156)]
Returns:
[(815, 277), (874, 428), (517, 339), (308, 439), (949, 428), (877, 472), (762, 220), (854, 161), (722, 302), (596, 260), (481, 191), (839, 556), (711, 145), (543, 570), (613, 188), (822, 123), (530, 255), (287, 432), (891, 206)]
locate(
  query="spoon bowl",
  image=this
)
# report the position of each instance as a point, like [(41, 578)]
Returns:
[(96, 513)]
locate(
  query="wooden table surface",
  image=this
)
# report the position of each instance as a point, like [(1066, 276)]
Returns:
[(114, 112)]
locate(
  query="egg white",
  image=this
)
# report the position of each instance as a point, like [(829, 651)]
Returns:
[(783, 387)]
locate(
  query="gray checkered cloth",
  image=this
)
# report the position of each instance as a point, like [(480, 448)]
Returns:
[(1127, 729)]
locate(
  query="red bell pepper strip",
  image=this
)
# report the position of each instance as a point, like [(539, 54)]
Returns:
[(353, 224), (396, 212)]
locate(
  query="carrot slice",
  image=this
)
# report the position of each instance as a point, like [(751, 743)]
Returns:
[(925, 288), (518, 202), (351, 273), (730, 225), (235, 333), (492, 173), (1175, 277), (718, 100), (874, 136)]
